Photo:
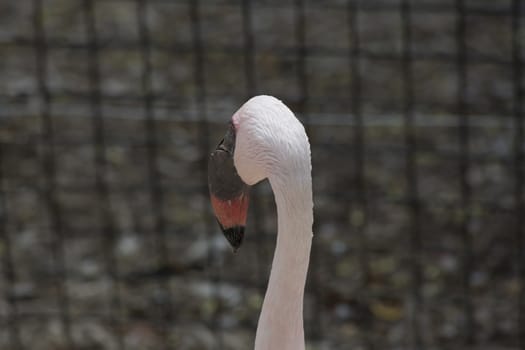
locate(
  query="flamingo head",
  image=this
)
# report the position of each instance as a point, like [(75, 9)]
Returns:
[(264, 140)]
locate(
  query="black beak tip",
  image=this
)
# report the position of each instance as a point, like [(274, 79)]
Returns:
[(234, 235)]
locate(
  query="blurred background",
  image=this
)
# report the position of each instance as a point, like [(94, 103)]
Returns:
[(109, 109)]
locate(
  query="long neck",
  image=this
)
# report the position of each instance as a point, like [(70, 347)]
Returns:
[(281, 321)]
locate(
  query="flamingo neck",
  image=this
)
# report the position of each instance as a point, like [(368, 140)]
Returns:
[(281, 321)]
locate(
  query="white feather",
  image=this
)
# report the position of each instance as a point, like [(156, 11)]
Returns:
[(271, 143)]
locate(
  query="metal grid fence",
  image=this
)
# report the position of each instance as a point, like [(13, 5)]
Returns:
[(110, 107)]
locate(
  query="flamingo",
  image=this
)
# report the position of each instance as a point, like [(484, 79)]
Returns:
[(265, 140)]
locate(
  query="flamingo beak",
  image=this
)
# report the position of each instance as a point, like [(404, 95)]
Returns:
[(228, 193)]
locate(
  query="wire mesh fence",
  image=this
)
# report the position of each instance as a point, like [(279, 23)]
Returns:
[(109, 109)]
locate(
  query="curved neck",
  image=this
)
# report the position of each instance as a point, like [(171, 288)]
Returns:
[(281, 321)]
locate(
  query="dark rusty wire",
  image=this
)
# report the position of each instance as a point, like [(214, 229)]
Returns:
[(165, 307), (200, 98), (519, 173), (108, 229), (357, 204), (464, 211), (250, 73), (49, 158), (485, 9), (271, 50), (12, 317), (411, 176), (316, 326)]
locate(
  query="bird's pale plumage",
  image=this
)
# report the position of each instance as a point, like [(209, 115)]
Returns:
[(271, 143)]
